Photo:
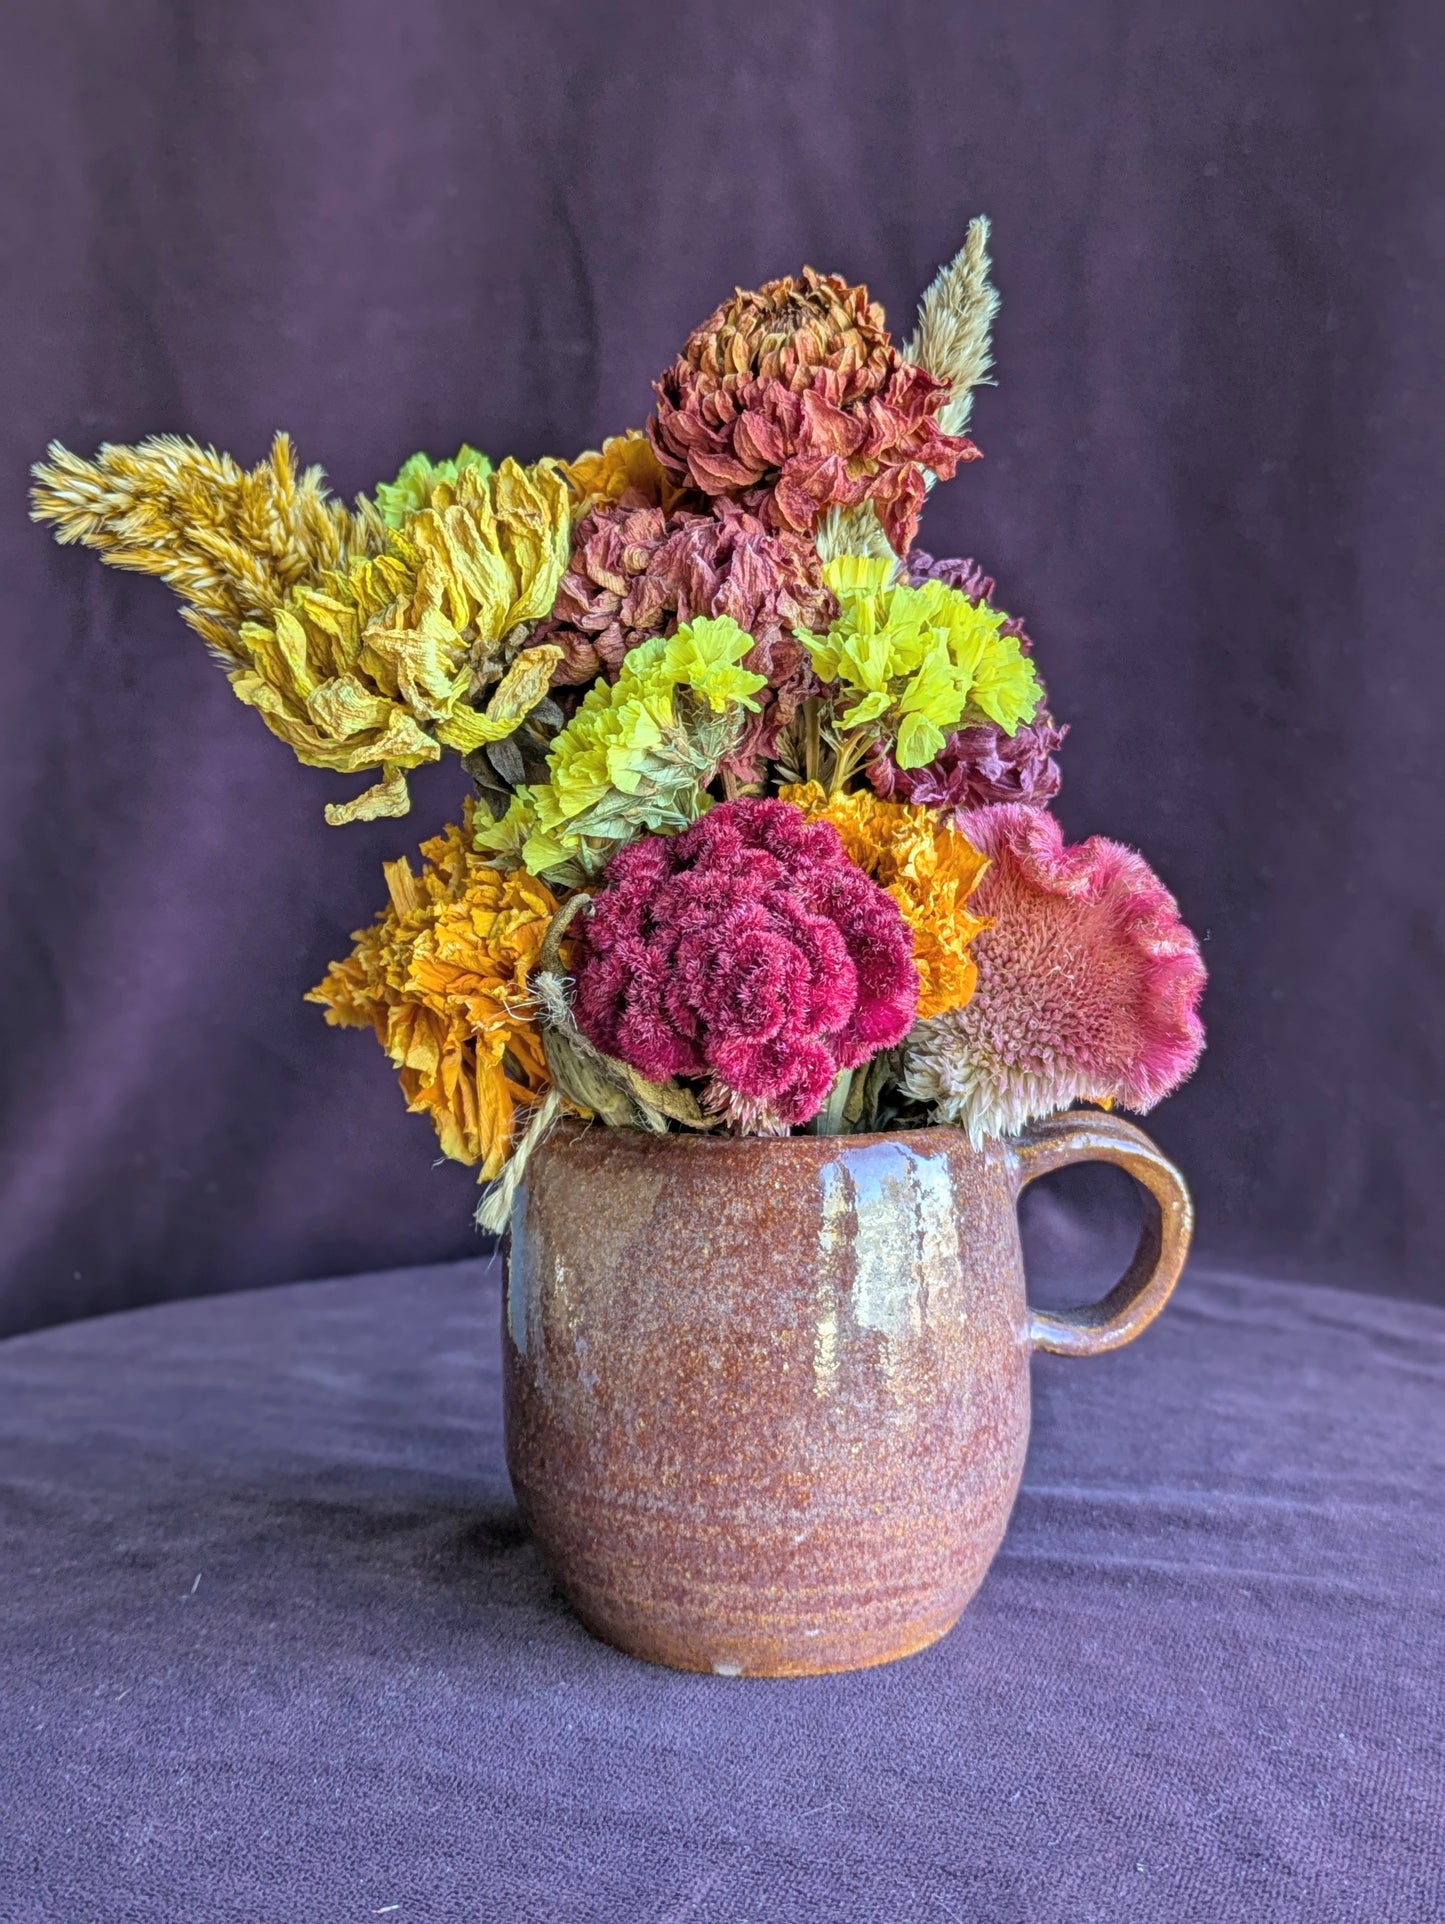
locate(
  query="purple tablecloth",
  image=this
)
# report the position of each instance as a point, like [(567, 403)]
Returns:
[(275, 1648)]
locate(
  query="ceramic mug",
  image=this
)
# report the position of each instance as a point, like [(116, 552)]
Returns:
[(767, 1401)]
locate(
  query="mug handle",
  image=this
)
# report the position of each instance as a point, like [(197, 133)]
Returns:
[(1145, 1287)]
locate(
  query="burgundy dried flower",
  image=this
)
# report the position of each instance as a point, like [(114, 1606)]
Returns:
[(981, 764), (795, 398), (748, 949), (978, 766), (636, 572)]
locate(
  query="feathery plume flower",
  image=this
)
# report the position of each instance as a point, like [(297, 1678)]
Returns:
[(638, 572), (636, 756), (441, 976), (952, 340), (911, 662), (1088, 984), (928, 867), (231, 543), (750, 950), (795, 399), (360, 646), (419, 479), (623, 470)]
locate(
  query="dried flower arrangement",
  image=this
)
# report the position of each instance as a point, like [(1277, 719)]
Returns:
[(760, 839)]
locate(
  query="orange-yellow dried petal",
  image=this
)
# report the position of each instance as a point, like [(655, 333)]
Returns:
[(927, 866), (441, 976)]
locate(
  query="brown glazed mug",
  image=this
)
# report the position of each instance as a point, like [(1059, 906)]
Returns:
[(767, 1401)]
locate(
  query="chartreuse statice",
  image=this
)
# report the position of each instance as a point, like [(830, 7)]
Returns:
[(912, 664), (637, 755)]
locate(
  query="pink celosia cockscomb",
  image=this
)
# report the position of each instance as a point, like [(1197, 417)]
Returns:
[(1088, 984), (748, 950), (794, 399)]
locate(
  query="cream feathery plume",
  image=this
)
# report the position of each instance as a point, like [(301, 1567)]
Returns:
[(952, 340), (854, 531)]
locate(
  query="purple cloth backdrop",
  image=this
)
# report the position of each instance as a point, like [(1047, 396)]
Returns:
[(1212, 486)]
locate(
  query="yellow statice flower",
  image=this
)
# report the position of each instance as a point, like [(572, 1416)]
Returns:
[(637, 754), (929, 868), (375, 667), (915, 663), (442, 978), (624, 464)]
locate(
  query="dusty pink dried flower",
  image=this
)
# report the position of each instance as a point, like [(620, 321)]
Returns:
[(1088, 984), (749, 950), (636, 572), (795, 399)]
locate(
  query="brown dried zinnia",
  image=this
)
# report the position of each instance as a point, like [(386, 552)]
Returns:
[(795, 399), (637, 572)]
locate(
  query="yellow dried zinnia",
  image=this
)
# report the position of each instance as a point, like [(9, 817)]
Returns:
[(378, 668), (929, 868), (363, 645), (624, 465), (441, 976)]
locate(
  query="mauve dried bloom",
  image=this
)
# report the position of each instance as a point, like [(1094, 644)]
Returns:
[(750, 950), (979, 765), (795, 398), (1088, 984), (636, 572)]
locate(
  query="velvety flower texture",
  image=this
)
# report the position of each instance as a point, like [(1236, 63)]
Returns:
[(980, 764), (795, 399), (637, 572), (749, 950), (1088, 984)]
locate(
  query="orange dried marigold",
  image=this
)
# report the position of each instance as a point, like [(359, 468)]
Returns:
[(794, 399), (441, 976), (928, 867)]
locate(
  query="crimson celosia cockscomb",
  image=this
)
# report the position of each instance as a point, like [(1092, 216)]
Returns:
[(748, 950), (1088, 984)]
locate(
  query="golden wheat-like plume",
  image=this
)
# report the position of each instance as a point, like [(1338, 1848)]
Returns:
[(231, 543)]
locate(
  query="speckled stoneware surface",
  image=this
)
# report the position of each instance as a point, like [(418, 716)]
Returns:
[(767, 1401)]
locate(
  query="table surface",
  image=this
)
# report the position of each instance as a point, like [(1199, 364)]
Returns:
[(275, 1647)]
